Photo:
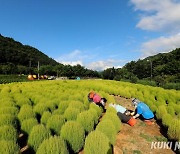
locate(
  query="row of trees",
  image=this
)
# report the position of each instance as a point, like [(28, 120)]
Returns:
[(57, 70)]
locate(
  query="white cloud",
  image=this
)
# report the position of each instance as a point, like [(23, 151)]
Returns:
[(72, 63), (158, 15), (104, 64), (162, 44)]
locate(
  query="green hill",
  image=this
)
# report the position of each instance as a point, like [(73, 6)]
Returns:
[(13, 52)]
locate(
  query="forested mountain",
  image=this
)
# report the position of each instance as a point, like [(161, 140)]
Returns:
[(16, 53), (163, 66)]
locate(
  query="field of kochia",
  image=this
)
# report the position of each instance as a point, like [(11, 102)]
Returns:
[(56, 117)]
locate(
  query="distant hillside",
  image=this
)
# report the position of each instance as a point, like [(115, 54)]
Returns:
[(163, 64), (16, 53)]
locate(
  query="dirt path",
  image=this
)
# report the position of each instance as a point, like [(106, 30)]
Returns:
[(138, 139)]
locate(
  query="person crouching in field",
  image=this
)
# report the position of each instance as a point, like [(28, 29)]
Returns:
[(124, 115), (143, 111), (95, 98)]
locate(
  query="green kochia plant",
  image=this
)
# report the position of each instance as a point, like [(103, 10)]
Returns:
[(26, 112), (73, 133), (28, 124), (96, 143), (71, 113), (115, 120), (97, 108), (86, 119), (95, 115), (46, 115), (37, 135), (106, 127), (63, 106), (40, 108), (174, 129), (53, 145), (55, 123), (167, 119), (8, 132), (161, 111), (7, 119), (9, 110), (9, 147)]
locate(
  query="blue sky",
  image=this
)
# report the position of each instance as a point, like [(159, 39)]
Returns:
[(94, 33)]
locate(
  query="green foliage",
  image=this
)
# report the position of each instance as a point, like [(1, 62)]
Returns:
[(77, 105), (8, 132), (174, 129), (86, 119), (28, 124), (167, 119), (9, 147), (73, 133), (97, 108), (115, 120), (53, 145), (170, 110), (37, 135), (71, 113), (26, 112), (7, 119), (96, 143), (161, 111), (21, 100), (63, 106), (9, 110), (95, 115), (46, 115), (106, 127), (55, 123), (40, 108)]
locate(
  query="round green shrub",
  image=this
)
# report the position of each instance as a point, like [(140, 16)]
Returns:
[(26, 112), (86, 119), (95, 115), (174, 130), (37, 135), (46, 115), (73, 133), (8, 132), (5, 102), (9, 147), (170, 110), (71, 113), (77, 105), (53, 145), (97, 108), (160, 112), (40, 108), (111, 110), (106, 127), (63, 106), (167, 120), (7, 119), (96, 143), (9, 110), (115, 120), (51, 106), (55, 123), (21, 100), (28, 124)]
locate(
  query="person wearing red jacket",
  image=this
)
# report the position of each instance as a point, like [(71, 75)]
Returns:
[(97, 99)]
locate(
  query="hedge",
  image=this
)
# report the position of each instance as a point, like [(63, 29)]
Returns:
[(106, 127), (96, 143), (55, 123), (28, 124), (53, 145), (37, 135), (9, 147), (71, 113), (26, 112), (73, 133), (8, 132), (45, 116), (86, 119)]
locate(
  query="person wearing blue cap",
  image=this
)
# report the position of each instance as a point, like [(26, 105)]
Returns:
[(143, 111)]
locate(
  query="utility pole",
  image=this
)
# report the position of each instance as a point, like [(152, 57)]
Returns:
[(38, 70)]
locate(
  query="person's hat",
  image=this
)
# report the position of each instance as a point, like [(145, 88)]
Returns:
[(135, 101)]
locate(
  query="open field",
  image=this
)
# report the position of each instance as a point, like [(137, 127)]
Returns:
[(55, 116)]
